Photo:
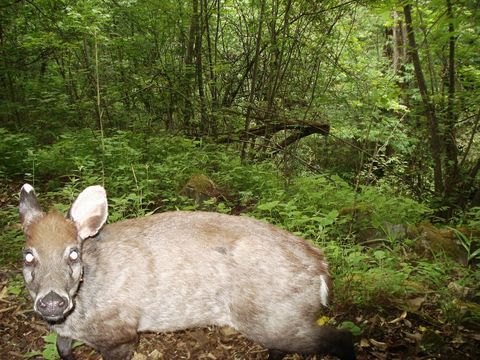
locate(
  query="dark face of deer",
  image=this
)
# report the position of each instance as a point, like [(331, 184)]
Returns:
[(52, 261)]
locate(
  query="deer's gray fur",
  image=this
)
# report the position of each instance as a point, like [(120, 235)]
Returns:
[(105, 284)]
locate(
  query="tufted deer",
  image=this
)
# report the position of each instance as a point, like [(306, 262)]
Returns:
[(105, 284)]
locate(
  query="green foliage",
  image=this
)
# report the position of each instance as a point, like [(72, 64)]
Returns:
[(343, 68), (469, 244), (49, 351), (15, 148), (348, 325), (16, 286), (366, 277), (471, 218), (11, 237), (141, 173), (318, 206)]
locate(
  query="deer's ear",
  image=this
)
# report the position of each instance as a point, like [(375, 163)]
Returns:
[(89, 211), (29, 207)]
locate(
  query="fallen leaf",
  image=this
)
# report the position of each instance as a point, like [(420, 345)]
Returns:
[(3, 293), (475, 336), (417, 337), (228, 331), (378, 344), (400, 318), (415, 303), (155, 355), (459, 290), (458, 340), (138, 356), (364, 343)]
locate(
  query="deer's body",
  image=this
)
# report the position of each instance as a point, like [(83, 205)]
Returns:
[(173, 271)]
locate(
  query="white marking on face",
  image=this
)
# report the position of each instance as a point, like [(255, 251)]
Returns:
[(323, 291)]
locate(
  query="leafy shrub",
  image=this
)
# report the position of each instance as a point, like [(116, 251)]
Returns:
[(317, 206), (14, 148), (11, 236)]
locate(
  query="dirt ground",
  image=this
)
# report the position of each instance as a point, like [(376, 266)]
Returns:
[(21, 332)]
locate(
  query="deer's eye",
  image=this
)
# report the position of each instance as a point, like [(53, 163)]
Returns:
[(74, 255), (29, 258)]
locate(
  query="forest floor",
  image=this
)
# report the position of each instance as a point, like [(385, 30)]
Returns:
[(23, 332)]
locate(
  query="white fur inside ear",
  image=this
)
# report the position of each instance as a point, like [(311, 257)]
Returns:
[(90, 211), (87, 202)]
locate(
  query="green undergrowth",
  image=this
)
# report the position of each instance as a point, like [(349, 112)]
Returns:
[(143, 175)]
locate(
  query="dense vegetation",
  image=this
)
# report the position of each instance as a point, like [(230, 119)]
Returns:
[(352, 123)]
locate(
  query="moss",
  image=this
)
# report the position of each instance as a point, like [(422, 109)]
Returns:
[(200, 188), (432, 240)]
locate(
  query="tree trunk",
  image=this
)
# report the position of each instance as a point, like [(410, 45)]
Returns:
[(398, 44), (91, 76), (215, 54), (211, 80), (434, 138), (187, 90), (451, 151), (278, 63), (253, 82), (205, 126)]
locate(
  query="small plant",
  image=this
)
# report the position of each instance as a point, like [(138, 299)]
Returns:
[(15, 286), (11, 237), (468, 244), (349, 325), (346, 325), (49, 351)]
